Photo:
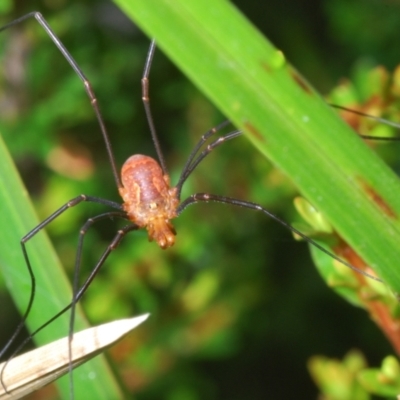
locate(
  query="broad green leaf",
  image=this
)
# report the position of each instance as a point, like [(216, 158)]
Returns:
[(255, 86)]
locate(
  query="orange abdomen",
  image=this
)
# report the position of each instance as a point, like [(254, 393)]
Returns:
[(149, 201)]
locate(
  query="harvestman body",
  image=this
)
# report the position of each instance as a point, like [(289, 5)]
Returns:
[(148, 199)]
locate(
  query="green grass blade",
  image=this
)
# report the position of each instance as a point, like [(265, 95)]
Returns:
[(18, 218), (252, 83)]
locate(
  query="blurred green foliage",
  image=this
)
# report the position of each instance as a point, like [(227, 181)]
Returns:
[(237, 308)]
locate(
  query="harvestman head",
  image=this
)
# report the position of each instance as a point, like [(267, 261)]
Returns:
[(149, 201)]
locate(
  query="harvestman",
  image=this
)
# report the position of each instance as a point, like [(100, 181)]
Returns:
[(149, 201)]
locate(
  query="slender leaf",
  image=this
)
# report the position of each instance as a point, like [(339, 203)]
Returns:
[(253, 84), (18, 218)]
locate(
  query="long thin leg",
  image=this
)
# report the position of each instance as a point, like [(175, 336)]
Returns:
[(205, 197), (196, 149), (192, 161), (200, 143), (72, 203), (190, 168), (75, 292), (378, 119), (88, 88), (146, 103), (79, 293)]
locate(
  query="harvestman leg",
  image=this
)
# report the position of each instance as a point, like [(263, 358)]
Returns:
[(93, 101), (377, 119), (191, 164), (78, 293), (206, 197), (192, 161), (146, 104), (72, 203), (88, 88)]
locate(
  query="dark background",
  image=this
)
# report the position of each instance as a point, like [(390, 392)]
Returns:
[(237, 306)]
